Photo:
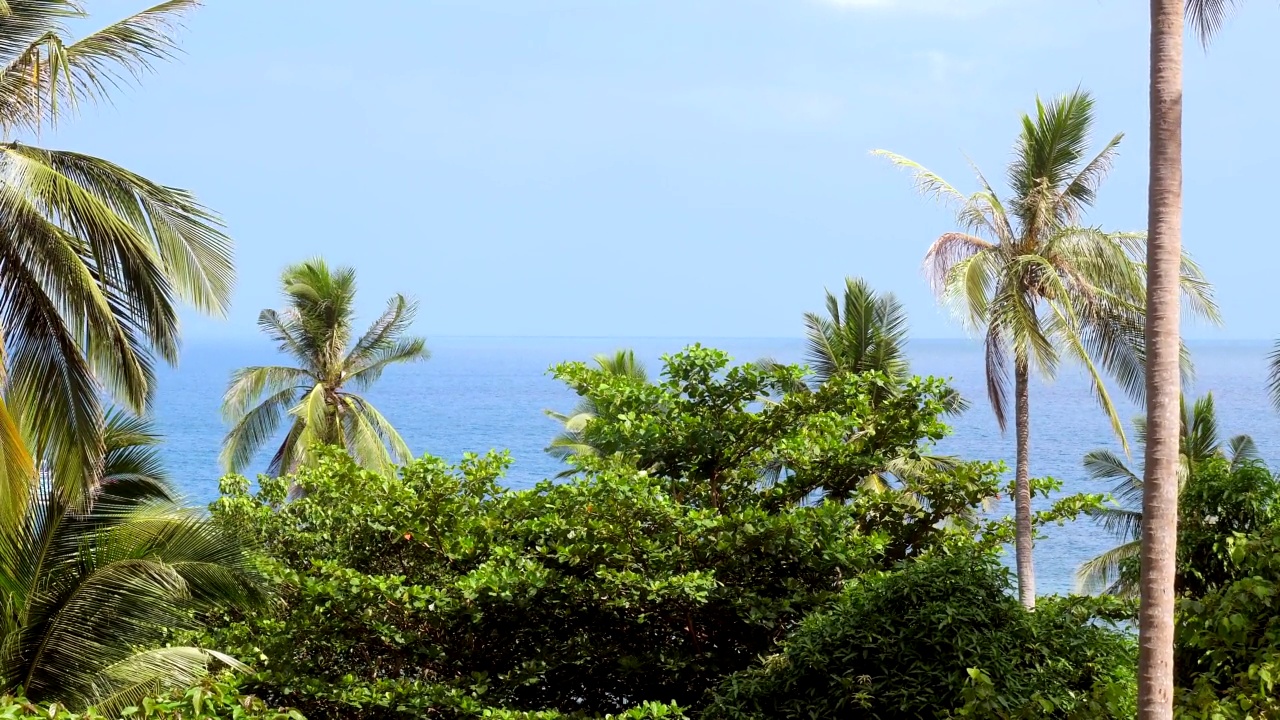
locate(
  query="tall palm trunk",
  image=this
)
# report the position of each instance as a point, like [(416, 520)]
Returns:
[(1160, 487), (1022, 485)]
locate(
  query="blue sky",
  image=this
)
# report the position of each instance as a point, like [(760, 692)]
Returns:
[(694, 168)]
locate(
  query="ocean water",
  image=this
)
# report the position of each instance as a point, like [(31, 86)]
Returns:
[(476, 394)]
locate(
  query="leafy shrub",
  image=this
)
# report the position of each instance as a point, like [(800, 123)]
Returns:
[(676, 558), (1221, 500), (1228, 640), (705, 430), (941, 635), (593, 595), (212, 700)]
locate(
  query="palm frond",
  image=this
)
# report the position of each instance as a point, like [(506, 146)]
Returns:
[(251, 383), (323, 299), (1241, 449), (946, 252), (1106, 465), (150, 568), (1273, 375), (149, 672), (384, 332), (1081, 191), (254, 429), (927, 183), (17, 474), (405, 350), (154, 241), (767, 366), (1103, 573), (1065, 328), (379, 437), (283, 329), (997, 374), (1206, 17), (53, 74), (290, 454), (573, 441), (132, 467), (320, 422)]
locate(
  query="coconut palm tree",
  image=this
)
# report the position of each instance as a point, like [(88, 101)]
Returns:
[(863, 331), (572, 441), (94, 258), (1199, 440), (93, 628), (316, 396), (1040, 285), (866, 331), (1164, 250)]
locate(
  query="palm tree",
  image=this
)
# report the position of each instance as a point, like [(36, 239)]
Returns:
[(1164, 250), (572, 441), (863, 331), (866, 331), (1199, 441), (316, 331), (1040, 285), (94, 258), (92, 628)]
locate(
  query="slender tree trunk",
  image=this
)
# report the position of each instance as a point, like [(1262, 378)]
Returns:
[(1160, 486), (1022, 486)]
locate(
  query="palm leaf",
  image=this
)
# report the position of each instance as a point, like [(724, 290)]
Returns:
[(1103, 573), (255, 429)]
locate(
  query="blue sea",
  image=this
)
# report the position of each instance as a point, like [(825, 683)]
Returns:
[(476, 394)]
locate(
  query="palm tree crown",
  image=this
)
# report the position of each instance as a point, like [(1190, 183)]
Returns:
[(863, 331), (94, 257), (91, 628), (1199, 440), (316, 331), (572, 441), (1039, 284), (1032, 278)]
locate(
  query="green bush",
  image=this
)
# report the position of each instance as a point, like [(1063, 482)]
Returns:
[(940, 636), (593, 595), (1228, 640), (687, 548), (212, 700)]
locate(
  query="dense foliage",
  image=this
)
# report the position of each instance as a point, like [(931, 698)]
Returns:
[(212, 700), (1116, 570), (623, 586), (1228, 640), (1228, 637), (94, 592), (595, 594), (940, 635), (97, 259), (713, 432)]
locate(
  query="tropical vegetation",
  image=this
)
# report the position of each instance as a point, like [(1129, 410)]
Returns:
[(95, 589), (644, 579), (96, 258), (572, 442), (1199, 442), (1040, 285), (727, 541), (941, 638), (316, 397)]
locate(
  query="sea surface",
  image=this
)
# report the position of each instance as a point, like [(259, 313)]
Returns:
[(476, 394)]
